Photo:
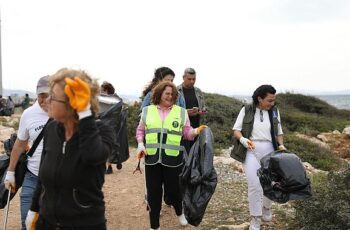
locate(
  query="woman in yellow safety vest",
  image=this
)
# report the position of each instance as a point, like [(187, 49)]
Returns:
[(162, 125)]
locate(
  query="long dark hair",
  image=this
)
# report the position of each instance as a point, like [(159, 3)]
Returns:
[(159, 74), (262, 92)]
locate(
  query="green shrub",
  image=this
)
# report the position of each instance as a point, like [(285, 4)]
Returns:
[(133, 121), (316, 155), (329, 208), (310, 105), (222, 113)]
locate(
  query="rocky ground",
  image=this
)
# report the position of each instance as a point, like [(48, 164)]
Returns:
[(124, 192), (125, 209)]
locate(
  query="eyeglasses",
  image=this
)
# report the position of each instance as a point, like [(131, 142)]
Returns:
[(50, 99), (261, 116)]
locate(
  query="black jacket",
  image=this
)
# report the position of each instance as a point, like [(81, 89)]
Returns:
[(198, 178), (71, 176)]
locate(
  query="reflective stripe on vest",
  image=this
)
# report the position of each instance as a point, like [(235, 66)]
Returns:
[(155, 130)]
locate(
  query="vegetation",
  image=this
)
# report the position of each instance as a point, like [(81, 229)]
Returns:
[(329, 208), (330, 205), (133, 120), (316, 155), (299, 113)]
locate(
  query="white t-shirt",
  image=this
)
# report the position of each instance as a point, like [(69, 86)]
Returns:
[(261, 126), (32, 122)]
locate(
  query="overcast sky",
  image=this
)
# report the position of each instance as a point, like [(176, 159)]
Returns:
[(235, 46)]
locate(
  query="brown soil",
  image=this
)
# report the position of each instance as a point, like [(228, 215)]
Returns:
[(125, 207), (339, 144)]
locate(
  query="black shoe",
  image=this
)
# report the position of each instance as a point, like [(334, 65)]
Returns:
[(119, 166), (109, 170)]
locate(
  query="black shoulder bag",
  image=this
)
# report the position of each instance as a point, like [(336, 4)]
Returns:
[(20, 170)]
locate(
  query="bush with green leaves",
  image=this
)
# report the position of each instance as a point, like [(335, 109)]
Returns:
[(300, 113), (315, 154), (329, 208), (133, 120)]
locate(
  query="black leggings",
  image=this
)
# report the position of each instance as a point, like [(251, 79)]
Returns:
[(41, 224), (156, 176)]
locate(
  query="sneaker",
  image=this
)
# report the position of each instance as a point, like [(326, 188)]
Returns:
[(254, 223), (109, 170), (266, 214), (155, 228), (182, 220)]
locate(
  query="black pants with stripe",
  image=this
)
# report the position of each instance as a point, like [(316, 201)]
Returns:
[(156, 176)]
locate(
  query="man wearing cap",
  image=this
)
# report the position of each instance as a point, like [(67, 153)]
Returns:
[(31, 124), (194, 101)]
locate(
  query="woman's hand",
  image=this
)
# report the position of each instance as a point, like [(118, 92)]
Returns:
[(141, 150), (31, 219), (200, 128), (247, 143), (78, 92), (282, 148)]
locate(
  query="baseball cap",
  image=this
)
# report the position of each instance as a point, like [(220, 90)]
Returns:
[(190, 71), (43, 85)]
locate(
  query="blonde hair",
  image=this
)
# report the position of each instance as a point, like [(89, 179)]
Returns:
[(58, 79)]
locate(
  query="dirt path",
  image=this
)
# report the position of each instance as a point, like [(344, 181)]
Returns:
[(125, 208)]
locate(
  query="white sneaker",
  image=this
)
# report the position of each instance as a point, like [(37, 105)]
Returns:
[(266, 214), (254, 223), (182, 220), (154, 229)]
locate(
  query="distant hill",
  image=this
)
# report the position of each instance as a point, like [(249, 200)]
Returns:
[(129, 98), (340, 92), (300, 113), (17, 92)]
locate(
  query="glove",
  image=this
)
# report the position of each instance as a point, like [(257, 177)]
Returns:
[(282, 147), (200, 128), (10, 181), (247, 143), (141, 150), (78, 92), (31, 219)]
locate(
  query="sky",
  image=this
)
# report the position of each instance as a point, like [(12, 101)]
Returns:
[(235, 46)]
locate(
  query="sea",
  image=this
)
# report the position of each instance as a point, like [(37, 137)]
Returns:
[(338, 101)]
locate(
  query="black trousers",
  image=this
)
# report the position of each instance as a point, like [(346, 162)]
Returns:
[(156, 176), (42, 224)]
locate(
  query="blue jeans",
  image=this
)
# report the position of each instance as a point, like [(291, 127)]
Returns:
[(28, 188)]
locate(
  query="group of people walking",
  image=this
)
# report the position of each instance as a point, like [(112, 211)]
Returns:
[(62, 188)]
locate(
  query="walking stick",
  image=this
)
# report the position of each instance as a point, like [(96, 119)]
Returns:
[(138, 169), (7, 209), (148, 208)]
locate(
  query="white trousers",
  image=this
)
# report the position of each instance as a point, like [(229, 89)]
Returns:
[(251, 165)]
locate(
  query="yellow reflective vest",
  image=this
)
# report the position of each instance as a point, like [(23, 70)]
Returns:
[(163, 138)]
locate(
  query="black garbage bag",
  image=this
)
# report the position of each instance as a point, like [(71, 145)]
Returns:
[(198, 178), (114, 114), (283, 177), (8, 144)]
